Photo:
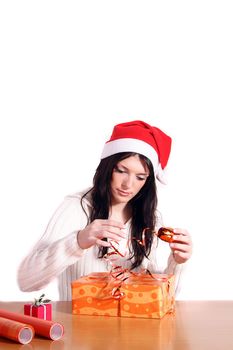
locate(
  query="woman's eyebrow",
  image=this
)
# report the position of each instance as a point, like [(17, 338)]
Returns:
[(125, 168)]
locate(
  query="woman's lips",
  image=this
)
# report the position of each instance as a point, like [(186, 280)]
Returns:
[(123, 193)]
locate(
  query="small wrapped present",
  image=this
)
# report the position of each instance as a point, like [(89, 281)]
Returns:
[(138, 295), (41, 308), (91, 295), (147, 296)]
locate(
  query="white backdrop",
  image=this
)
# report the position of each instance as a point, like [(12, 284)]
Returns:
[(70, 70)]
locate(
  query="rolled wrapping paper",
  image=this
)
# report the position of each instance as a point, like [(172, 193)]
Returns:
[(47, 329), (17, 331)]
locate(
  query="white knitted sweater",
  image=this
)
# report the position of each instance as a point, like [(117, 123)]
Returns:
[(58, 255)]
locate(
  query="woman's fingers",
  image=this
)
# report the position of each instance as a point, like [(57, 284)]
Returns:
[(114, 236), (100, 231), (109, 229), (181, 245), (109, 222), (180, 257), (102, 243)]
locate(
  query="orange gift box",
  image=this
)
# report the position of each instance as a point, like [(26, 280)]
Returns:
[(142, 295), (147, 296), (91, 295)]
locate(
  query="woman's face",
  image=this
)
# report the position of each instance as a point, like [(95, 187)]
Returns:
[(128, 177)]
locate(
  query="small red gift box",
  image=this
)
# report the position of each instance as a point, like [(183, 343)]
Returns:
[(43, 311)]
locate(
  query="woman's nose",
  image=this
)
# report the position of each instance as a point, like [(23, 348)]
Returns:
[(128, 181)]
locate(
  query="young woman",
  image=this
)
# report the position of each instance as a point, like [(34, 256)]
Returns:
[(110, 217)]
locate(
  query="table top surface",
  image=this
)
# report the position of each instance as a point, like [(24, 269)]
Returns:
[(198, 325)]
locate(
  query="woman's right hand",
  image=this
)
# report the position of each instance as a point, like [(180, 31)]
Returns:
[(94, 233)]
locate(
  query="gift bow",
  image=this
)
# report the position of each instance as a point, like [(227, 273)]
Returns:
[(41, 301)]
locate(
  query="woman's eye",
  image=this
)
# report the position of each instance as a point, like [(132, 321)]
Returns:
[(121, 171), (141, 178)]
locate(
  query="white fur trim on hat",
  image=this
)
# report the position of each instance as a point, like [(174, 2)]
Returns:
[(137, 146)]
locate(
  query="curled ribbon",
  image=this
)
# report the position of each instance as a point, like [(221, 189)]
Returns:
[(119, 274)]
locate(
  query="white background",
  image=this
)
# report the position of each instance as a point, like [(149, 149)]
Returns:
[(70, 70)]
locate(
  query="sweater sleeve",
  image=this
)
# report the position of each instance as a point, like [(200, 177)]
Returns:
[(56, 249)]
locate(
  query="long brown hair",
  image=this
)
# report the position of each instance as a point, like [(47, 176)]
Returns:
[(143, 205)]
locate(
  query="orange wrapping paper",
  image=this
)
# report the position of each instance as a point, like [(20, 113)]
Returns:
[(147, 296), (47, 329), (17, 331), (91, 295), (143, 295)]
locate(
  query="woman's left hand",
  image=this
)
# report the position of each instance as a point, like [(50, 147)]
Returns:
[(181, 245)]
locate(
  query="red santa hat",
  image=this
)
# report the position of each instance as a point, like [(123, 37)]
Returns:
[(140, 137)]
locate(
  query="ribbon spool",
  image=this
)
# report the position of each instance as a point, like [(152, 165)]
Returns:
[(166, 234)]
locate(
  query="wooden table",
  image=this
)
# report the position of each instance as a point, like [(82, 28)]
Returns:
[(195, 325)]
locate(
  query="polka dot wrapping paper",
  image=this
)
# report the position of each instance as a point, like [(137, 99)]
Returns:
[(147, 296), (141, 295), (91, 296)]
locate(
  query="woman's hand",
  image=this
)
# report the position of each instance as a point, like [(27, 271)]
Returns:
[(94, 233), (181, 245)]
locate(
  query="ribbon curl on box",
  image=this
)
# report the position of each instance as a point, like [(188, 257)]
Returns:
[(120, 274)]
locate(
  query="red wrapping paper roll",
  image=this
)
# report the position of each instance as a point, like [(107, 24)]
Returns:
[(47, 329), (17, 331)]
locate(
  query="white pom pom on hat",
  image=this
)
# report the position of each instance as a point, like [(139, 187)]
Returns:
[(140, 137)]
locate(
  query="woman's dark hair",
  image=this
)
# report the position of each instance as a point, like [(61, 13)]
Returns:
[(143, 205)]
